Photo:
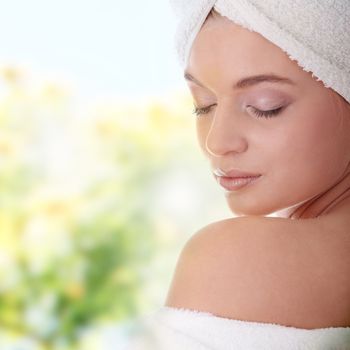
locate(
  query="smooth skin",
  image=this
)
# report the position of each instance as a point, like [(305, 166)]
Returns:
[(292, 269)]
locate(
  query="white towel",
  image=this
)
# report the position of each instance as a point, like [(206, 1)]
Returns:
[(315, 33), (180, 329)]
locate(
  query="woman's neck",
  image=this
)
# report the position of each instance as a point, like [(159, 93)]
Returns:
[(335, 199)]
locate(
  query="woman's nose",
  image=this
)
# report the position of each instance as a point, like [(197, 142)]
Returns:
[(226, 134)]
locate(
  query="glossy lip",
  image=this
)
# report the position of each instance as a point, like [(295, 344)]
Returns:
[(235, 183), (234, 179), (233, 173)]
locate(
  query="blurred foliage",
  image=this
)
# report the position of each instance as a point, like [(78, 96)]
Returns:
[(76, 225)]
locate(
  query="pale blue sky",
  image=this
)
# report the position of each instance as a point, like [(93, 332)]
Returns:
[(104, 47)]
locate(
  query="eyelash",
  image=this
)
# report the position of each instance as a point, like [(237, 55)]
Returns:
[(260, 114)]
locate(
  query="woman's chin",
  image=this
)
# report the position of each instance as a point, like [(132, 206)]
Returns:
[(249, 209)]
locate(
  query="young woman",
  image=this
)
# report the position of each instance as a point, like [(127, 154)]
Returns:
[(271, 87)]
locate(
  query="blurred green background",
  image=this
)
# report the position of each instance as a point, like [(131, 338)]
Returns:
[(101, 179)]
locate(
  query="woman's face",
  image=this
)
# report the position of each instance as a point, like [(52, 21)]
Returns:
[(300, 151)]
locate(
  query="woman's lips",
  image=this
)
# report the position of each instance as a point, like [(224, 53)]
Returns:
[(235, 183)]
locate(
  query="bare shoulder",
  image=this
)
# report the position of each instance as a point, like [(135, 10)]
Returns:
[(263, 269)]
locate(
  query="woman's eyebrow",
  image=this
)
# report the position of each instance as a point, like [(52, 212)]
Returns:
[(248, 81)]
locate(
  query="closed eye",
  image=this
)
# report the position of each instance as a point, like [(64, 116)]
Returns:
[(203, 110), (267, 114)]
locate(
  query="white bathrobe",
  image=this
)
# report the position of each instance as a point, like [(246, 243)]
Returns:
[(181, 329)]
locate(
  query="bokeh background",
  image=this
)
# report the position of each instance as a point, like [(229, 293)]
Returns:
[(101, 178)]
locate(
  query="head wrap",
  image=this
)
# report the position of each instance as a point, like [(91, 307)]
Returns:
[(315, 33)]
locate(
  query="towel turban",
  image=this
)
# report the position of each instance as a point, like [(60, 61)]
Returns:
[(314, 33)]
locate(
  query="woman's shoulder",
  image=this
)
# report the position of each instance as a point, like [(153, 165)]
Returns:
[(264, 269)]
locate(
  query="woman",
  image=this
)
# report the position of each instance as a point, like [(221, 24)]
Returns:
[(273, 107)]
